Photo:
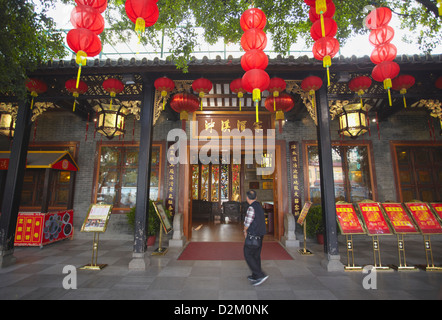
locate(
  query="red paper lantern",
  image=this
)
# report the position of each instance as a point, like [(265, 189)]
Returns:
[(378, 18), (183, 103), (313, 2), (311, 84), (88, 18), (279, 104), (236, 87), (383, 52), (325, 49), (381, 35), (276, 85), (253, 18), (360, 85), (331, 9), (254, 39), (144, 13), (71, 86), (254, 59), (100, 5), (35, 87), (256, 81), (202, 86), (402, 83), (113, 86), (165, 85), (330, 29), (384, 72)]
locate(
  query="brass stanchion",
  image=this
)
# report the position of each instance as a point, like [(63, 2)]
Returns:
[(305, 251), (429, 255), (160, 251), (350, 255), (93, 265), (377, 255), (401, 252)]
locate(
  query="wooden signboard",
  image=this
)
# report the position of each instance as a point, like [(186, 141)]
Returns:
[(348, 220), (375, 222), (424, 218), (304, 212), (97, 218), (400, 221)]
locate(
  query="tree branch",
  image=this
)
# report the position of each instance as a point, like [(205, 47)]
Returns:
[(430, 6)]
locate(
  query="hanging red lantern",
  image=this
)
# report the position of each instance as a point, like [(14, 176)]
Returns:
[(35, 87), (113, 86), (330, 29), (325, 49), (312, 3), (87, 17), (144, 13), (236, 87), (378, 18), (384, 72), (311, 84), (279, 104), (276, 85), (183, 103), (254, 39), (381, 35), (255, 81), (100, 5), (165, 86), (253, 18), (360, 85), (71, 86), (383, 52), (254, 59), (313, 16), (202, 86), (402, 83), (84, 43)]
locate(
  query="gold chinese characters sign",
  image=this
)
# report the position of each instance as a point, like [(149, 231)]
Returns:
[(294, 177)]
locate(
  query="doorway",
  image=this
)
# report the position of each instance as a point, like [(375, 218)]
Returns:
[(218, 193)]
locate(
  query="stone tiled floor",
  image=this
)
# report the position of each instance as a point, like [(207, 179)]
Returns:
[(38, 274)]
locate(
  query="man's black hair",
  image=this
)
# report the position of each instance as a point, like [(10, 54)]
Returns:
[(251, 194)]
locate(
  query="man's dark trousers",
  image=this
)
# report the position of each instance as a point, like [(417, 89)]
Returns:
[(252, 255)]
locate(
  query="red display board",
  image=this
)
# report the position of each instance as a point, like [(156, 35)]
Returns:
[(38, 229), (424, 218), (375, 222), (399, 218), (438, 209), (348, 220)]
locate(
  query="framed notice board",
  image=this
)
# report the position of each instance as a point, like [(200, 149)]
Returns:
[(399, 219), (424, 218), (375, 222), (165, 222), (97, 218), (348, 220)]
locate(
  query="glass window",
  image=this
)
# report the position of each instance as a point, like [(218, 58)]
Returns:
[(351, 173), (118, 172)]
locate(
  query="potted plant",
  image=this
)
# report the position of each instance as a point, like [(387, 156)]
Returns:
[(315, 223), (153, 223)]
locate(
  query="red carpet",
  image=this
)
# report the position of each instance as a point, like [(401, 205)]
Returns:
[(231, 251)]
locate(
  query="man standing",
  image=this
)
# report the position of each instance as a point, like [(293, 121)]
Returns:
[(254, 231)]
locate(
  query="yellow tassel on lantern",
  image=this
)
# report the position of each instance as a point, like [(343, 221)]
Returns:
[(80, 59), (33, 94), (76, 95), (164, 95), (184, 115), (387, 86), (403, 92), (360, 93), (312, 94), (275, 95), (439, 3), (256, 96), (201, 95), (326, 62), (321, 8), (240, 95), (113, 95)]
